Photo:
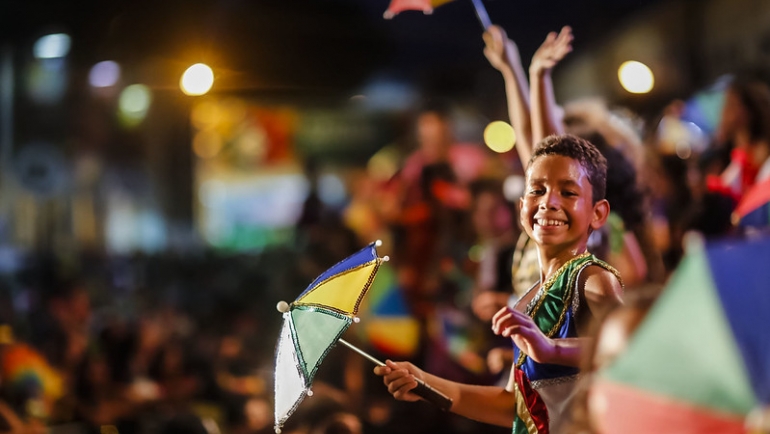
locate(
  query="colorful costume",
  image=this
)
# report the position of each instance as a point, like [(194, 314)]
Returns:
[(543, 391)]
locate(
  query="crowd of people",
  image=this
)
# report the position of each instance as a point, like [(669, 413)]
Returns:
[(511, 266)]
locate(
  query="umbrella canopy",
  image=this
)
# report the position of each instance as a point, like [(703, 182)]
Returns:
[(314, 322), (700, 362)]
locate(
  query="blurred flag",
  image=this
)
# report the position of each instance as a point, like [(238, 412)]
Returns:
[(426, 6), (388, 326), (700, 362)]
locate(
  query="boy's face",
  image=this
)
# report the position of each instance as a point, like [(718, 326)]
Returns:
[(557, 208)]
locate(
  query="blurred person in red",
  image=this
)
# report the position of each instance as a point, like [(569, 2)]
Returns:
[(745, 127), (426, 203)]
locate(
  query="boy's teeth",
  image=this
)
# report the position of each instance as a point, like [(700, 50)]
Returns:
[(544, 222)]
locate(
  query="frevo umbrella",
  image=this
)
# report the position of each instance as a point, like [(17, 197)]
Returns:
[(700, 361), (314, 323)]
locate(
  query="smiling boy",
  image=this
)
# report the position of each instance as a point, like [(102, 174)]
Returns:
[(563, 203)]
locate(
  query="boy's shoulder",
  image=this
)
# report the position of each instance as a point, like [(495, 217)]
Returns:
[(601, 280)]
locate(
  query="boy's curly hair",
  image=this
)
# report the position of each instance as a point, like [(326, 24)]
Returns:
[(581, 150)]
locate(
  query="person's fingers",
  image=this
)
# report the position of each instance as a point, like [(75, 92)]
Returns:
[(382, 370), (503, 311), (500, 320)]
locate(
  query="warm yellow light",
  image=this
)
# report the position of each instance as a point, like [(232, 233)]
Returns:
[(499, 136), (197, 80), (636, 77)]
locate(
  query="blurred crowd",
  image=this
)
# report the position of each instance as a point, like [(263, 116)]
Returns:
[(184, 343)]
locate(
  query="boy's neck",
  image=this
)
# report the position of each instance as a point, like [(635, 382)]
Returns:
[(550, 262)]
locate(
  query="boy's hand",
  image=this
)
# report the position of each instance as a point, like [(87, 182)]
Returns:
[(399, 377), (525, 334), (501, 52), (552, 50)]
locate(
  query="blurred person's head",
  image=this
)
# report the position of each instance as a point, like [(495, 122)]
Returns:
[(492, 215), (69, 303), (623, 191), (434, 132), (746, 112)]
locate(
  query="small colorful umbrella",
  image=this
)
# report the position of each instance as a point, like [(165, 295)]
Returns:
[(700, 362), (427, 6), (315, 321)]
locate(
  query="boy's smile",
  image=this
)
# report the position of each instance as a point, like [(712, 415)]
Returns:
[(557, 209)]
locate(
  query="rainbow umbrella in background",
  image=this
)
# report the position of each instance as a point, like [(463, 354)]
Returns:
[(700, 361), (26, 373), (426, 6), (388, 325), (753, 210)]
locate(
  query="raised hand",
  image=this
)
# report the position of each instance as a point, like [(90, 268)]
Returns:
[(525, 334), (552, 50), (400, 379), (501, 52)]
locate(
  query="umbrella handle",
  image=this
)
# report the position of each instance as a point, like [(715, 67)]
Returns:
[(423, 390)]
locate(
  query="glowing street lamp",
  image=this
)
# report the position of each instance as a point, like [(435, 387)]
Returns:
[(197, 80)]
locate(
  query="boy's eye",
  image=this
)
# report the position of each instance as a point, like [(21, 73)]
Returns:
[(536, 191), (570, 193)]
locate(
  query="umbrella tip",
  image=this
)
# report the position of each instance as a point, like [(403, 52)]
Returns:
[(378, 243), (282, 306), (386, 258)]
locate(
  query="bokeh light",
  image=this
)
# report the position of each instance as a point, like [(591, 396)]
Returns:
[(197, 80), (331, 189), (104, 74), (52, 46), (207, 143), (499, 136), (134, 102), (636, 77)]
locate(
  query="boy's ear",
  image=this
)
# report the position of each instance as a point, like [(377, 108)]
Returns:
[(601, 212)]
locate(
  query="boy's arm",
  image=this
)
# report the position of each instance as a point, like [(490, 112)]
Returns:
[(503, 55), (488, 404), (545, 120), (601, 291)]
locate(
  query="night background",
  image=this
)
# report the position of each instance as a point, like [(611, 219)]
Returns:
[(146, 235)]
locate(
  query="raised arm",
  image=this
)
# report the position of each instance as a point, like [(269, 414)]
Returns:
[(488, 404), (545, 112), (503, 55)]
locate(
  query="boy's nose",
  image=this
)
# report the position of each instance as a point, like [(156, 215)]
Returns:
[(550, 200)]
